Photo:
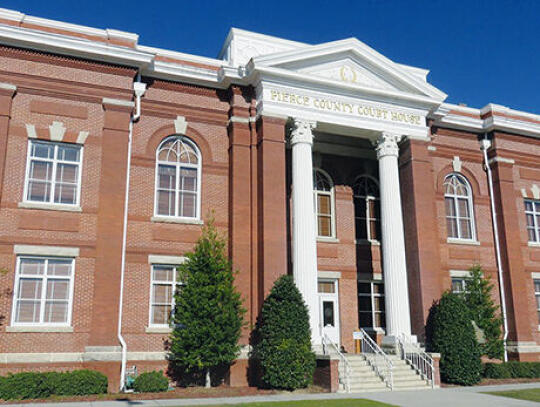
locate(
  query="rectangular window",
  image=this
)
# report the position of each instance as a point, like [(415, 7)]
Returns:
[(163, 286), (43, 291), (371, 312), (459, 285), (53, 173), (537, 296), (532, 215)]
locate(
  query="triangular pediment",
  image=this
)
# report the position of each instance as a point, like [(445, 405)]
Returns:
[(351, 62)]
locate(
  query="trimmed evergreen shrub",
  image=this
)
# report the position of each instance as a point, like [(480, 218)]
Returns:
[(151, 382), (36, 385), (512, 370), (450, 332), (208, 315), (484, 312), (283, 338)]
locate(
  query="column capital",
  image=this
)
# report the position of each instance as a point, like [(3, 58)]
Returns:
[(387, 144), (302, 131)]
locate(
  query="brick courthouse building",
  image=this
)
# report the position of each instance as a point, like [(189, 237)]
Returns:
[(330, 162)]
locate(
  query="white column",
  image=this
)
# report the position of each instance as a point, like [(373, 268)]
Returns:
[(304, 244), (396, 294)]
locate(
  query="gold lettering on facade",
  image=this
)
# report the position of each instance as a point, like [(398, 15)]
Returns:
[(344, 107)]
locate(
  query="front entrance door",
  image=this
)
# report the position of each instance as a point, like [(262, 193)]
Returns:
[(329, 309)]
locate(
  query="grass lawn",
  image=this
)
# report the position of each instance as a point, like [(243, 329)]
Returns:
[(313, 403), (525, 394)]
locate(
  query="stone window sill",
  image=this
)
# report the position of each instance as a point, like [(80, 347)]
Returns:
[(167, 219), (463, 241), (533, 244), (158, 329), (327, 239), (49, 206), (36, 328)]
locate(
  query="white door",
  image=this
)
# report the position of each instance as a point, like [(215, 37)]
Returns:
[(329, 309)]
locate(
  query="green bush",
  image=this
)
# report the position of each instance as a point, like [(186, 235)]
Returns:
[(449, 331), (512, 370), (283, 338), (34, 385), (151, 382)]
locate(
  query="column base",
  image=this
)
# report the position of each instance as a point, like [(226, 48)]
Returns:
[(389, 343)]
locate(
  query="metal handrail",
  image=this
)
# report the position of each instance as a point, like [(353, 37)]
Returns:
[(385, 372), (421, 362), (326, 342)]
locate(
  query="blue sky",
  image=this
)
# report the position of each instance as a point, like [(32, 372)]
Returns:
[(477, 51)]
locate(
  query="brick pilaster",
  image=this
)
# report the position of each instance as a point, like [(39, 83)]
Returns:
[(6, 96)]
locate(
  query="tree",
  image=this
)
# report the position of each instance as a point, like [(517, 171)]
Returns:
[(283, 338), (208, 314), (484, 312), (449, 331)]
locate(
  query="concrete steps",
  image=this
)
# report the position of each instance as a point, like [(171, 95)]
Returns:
[(364, 379)]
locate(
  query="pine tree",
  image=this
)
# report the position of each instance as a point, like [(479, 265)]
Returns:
[(484, 312), (208, 314), (449, 331), (283, 338)]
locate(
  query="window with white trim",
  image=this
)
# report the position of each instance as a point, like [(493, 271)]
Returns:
[(532, 214), (163, 287), (371, 311), (323, 194), (43, 292), (367, 209), (459, 285), (178, 178), (459, 207), (537, 296), (53, 173)]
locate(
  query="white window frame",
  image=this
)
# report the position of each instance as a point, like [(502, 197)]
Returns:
[(55, 161), (536, 278), (178, 166), (534, 214), (367, 216), (470, 205), (331, 194), (175, 283), (372, 296), (44, 278)]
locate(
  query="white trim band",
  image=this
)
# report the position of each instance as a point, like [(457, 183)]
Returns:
[(163, 259), (460, 273), (46, 250), (329, 274)]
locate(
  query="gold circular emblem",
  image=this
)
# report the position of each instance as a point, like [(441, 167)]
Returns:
[(347, 74)]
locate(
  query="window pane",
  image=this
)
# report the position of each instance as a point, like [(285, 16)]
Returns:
[(365, 319), (326, 287), (450, 208), (379, 303), (68, 153), (56, 312), (328, 313), (65, 193), (167, 177), (188, 202), (463, 207), (39, 191), (451, 227), (27, 311), (529, 206), (41, 170), (325, 226), (162, 294), (465, 226), (364, 303), (373, 229), (378, 288), (67, 173), (323, 205), (57, 289), (364, 288), (379, 320), (163, 273), (32, 266), (537, 206), (161, 314), (188, 180), (532, 236), (530, 220), (360, 207), (361, 229), (29, 288), (166, 203), (537, 286), (42, 150)]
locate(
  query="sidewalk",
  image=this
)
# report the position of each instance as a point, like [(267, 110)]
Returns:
[(448, 397)]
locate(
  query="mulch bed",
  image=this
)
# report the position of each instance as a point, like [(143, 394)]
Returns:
[(177, 393)]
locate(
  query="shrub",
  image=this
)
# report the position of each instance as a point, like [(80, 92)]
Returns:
[(449, 331), (512, 370), (151, 382), (208, 315), (283, 338), (34, 385)]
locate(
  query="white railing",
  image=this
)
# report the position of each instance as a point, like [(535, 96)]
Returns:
[(327, 343), (420, 361), (379, 361)]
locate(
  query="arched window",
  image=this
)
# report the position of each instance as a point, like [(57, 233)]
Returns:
[(178, 178), (459, 207), (367, 209), (323, 193)]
